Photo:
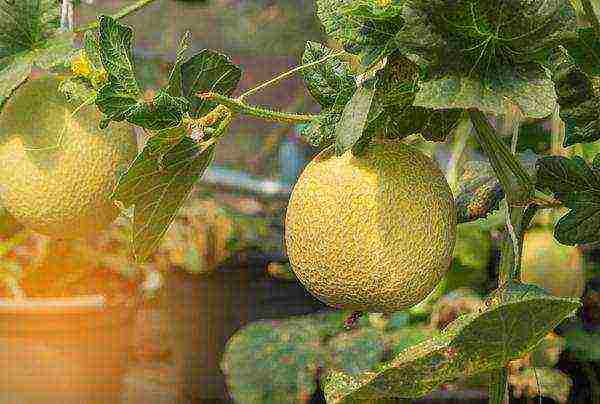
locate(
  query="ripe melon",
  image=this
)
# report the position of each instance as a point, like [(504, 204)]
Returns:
[(57, 171), (373, 232)]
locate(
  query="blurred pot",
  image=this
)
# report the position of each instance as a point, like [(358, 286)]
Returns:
[(206, 310), (64, 350)]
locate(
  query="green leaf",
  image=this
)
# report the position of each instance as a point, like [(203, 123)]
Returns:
[(273, 361), (208, 71), (513, 323), (480, 191), (116, 55), (524, 85), (356, 351), (578, 97), (166, 139), (321, 131), (354, 118), (158, 187), (473, 38), (164, 111), (330, 82), (364, 27), (91, 46), (577, 186), (26, 23), (175, 86), (585, 51)]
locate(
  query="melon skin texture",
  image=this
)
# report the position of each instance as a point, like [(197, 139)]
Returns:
[(57, 171), (371, 233), (557, 268)]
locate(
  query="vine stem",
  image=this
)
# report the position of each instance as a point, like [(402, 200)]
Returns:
[(238, 105), (519, 189), (288, 73), (591, 16), (124, 12), (235, 105)]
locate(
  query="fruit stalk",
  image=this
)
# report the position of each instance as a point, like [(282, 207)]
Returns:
[(515, 181), (235, 105), (498, 393), (519, 189)]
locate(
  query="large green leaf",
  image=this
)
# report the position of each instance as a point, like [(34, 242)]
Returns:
[(24, 24), (320, 132), (121, 98), (393, 115), (477, 36), (578, 97), (273, 361), (482, 53), (175, 87), (515, 319), (158, 184), (29, 37), (208, 71), (366, 27), (577, 186), (585, 50), (527, 86), (115, 42), (354, 118), (12, 76), (330, 81)]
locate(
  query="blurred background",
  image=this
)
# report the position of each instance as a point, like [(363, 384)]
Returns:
[(223, 265)]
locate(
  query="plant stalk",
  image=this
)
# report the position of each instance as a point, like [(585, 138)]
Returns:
[(240, 107), (498, 392), (513, 178), (515, 181), (124, 12)]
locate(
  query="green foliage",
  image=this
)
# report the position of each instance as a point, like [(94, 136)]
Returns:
[(273, 361), (578, 97), (350, 129), (512, 324), (577, 185), (278, 361), (208, 71), (381, 106), (29, 37), (365, 27), (26, 23), (158, 186), (528, 87), (121, 98), (479, 54), (327, 82)]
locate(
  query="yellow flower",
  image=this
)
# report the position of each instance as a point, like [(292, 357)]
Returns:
[(81, 66)]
